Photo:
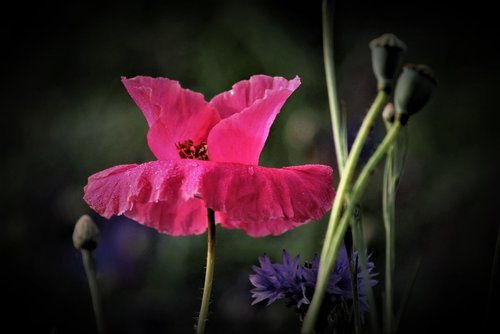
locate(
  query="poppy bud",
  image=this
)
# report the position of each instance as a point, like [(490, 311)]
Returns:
[(386, 52), (389, 113), (413, 89), (86, 234)]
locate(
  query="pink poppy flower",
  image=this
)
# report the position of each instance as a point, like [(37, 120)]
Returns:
[(208, 155)]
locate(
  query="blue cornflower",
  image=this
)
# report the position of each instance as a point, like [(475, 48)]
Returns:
[(339, 285), (274, 281)]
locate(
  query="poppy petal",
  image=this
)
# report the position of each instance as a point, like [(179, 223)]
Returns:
[(266, 201), (172, 197), (247, 112), (174, 114), (246, 92), (150, 193)]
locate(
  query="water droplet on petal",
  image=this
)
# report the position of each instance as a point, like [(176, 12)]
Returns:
[(250, 170)]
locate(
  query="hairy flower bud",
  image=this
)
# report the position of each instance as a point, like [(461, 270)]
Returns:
[(386, 54), (413, 89), (86, 234)]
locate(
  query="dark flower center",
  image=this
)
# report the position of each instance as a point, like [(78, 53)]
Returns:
[(188, 150)]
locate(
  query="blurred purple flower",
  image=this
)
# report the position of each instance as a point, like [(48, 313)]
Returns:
[(339, 285), (274, 281)]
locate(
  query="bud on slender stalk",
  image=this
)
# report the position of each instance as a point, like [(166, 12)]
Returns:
[(86, 234), (386, 54), (85, 238), (388, 114), (413, 90)]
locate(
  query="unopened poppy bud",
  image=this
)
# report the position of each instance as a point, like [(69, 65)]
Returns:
[(389, 113), (386, 54), (413, 89), (86, 234)]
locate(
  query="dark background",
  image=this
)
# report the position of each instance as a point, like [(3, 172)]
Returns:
[(65, 116)]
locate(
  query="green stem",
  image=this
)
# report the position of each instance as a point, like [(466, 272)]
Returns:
[(357, 229), (389, 198), (353, 268), (338, 128), (361, 183), (337, 237), (209, 273), (338, 122), (350, 167), (89, 264), (327, 252)]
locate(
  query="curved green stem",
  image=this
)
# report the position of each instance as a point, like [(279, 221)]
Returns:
[(89, 264), (338, 128), (351, 164), (361, 183), (388, 203), (209, 273), (332, 248), (343, 187)]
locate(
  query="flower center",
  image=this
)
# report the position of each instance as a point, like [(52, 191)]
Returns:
[(188, 150)]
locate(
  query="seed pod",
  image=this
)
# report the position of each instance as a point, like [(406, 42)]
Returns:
[(386, 55), (413, 89)]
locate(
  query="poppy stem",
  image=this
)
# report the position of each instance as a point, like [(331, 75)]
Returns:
[(337, 224), (328, 253), (338, 123), (361, 183), (388, 203), (89, 264), (209, 273)]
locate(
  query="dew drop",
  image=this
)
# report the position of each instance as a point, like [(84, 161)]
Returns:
[(250, 170)]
